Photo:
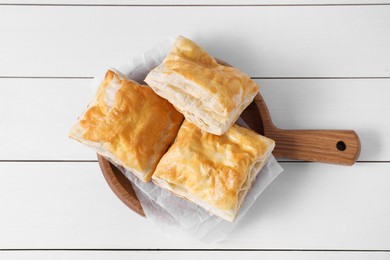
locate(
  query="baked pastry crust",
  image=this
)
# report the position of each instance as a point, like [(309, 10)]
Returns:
[(213, 171), (128, 123), (210, 95)]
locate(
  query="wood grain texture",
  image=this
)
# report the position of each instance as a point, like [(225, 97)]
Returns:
[(328, 146), (309, 206), (317, 145), (329, 41)]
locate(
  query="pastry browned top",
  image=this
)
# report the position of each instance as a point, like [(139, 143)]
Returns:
[(208, 94), (130, 123), (212, 168)]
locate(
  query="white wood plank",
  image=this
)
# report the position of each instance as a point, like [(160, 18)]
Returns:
[(36, 117), (192, 2), (310, 206), (327, 41), (195, 255), (361, 105), (37, 114)]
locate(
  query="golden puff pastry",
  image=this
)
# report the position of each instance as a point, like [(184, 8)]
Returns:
[(210, 95), (129, 124), (213, 171)]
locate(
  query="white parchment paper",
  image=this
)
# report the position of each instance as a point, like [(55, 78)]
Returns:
[(176, 216), (171, 214)]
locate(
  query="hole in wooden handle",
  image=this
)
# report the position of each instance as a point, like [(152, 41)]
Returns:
[(341, 146)]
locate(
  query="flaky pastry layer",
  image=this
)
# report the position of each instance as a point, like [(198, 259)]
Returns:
[(128, 123), (210, 95), (215, 172)]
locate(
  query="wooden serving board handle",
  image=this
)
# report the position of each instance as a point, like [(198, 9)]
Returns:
[(328, 146)]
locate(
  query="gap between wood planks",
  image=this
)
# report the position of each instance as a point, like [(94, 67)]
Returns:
[(222, 250), (194, 5)]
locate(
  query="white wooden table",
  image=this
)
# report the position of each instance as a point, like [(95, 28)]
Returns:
[(320, 64)]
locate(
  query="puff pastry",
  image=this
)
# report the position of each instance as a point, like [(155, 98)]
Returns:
[(213, 171), (210, 95), (129, 124)]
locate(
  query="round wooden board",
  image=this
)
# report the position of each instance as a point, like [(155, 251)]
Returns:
[(120, 185)]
